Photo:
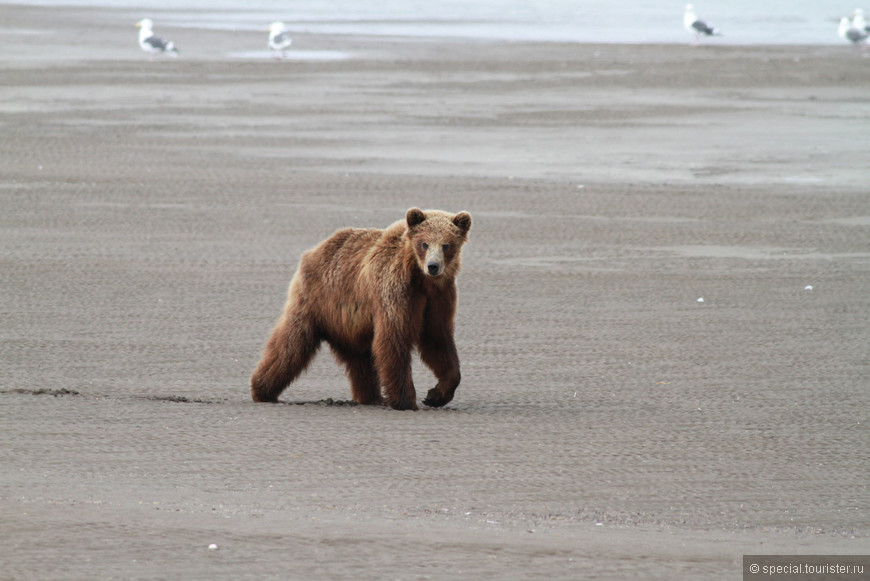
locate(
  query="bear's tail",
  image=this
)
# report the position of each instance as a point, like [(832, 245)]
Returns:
[(288, 353)]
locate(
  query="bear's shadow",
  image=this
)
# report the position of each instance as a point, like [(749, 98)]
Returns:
[(329, 402)]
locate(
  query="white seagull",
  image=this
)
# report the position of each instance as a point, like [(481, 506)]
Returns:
[(279, 39), (849, 33), (153, 44), (858, 20), (697, 27)]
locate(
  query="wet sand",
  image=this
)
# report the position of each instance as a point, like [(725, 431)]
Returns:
[(609, 425)]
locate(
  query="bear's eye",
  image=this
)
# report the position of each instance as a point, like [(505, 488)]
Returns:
[(425, 246), (445, 247)]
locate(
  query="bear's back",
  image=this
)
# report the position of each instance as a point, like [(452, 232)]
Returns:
[(339, 256)]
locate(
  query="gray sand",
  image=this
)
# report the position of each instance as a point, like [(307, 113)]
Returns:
[(609, 425)]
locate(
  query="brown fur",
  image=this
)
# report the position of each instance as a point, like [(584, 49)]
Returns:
[(371, 296)]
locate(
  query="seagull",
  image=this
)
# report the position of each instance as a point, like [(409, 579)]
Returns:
[(858, 20), (695, 26), (278, 38), (153, 44), (848, 32)]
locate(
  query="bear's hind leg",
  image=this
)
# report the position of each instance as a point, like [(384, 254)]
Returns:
[(365, 388), (289, 351)]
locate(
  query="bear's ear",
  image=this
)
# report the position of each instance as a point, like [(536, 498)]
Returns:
[(415, 216), (462, 220)]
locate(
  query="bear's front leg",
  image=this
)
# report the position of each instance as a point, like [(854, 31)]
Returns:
[(438, 352), (440, 355), (392, 351)]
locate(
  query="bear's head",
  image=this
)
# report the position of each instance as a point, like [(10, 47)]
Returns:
[(437, 238)]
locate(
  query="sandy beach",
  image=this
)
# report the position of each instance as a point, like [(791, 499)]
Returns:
[(663, 314)]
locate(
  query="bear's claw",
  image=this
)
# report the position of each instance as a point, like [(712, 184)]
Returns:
[(436, 399)]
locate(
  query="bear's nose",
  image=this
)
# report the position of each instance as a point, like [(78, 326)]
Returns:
[(433, 268)]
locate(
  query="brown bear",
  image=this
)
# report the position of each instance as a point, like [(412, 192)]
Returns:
[(373, 296)]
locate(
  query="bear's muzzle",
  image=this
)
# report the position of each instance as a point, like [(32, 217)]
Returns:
[(434, 260)]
